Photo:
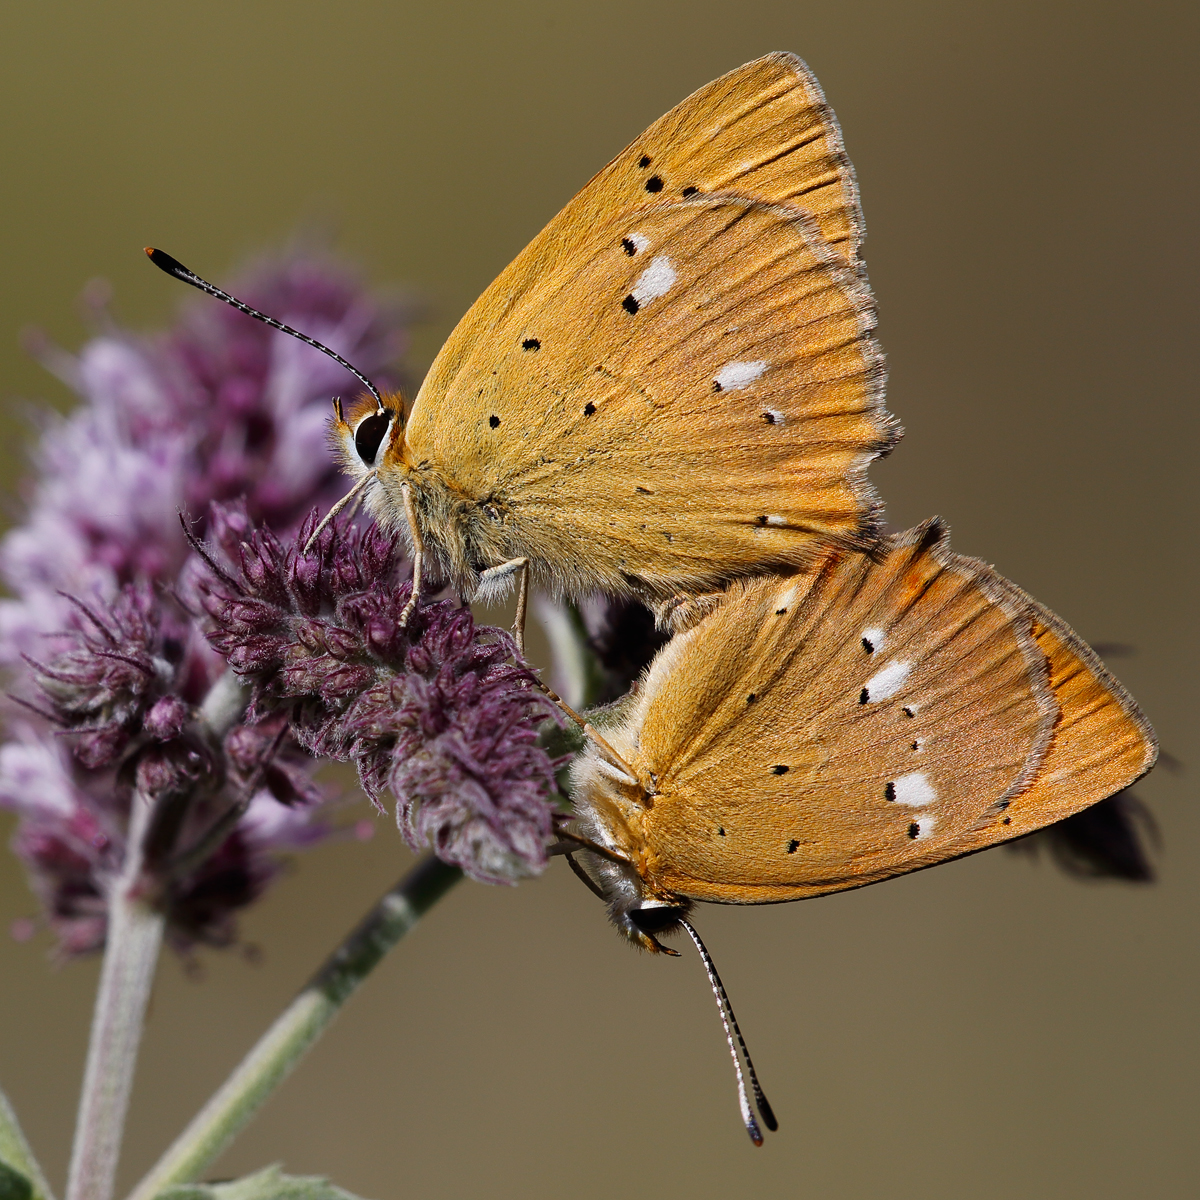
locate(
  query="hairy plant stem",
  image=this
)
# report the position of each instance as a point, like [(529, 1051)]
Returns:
[(135, 932), (132, 943), (15, 1151), (298, 1027)]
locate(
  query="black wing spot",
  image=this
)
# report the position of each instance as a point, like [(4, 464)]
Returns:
[(761, 520), (588, 409), (717, 385), (779, 770), (868, 645), (531, 344), (780, 612), (644, 161), (864, 696), (1006, 821), (908, 712), (750, 699), (690, 191), (889, 792), (720, 831), (793, 846), (644, 491), (493, 420), (916, 745), (913, 830), (769, 417), (629, 304), (654, 183), (628, 246)]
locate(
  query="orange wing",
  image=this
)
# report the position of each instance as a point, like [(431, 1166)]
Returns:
[(695, 394), (763, 130), (815, 735)]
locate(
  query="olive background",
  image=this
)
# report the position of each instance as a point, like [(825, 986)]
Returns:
[(990, 1028)]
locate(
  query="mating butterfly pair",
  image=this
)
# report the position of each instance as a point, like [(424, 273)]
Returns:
[(673, 394)]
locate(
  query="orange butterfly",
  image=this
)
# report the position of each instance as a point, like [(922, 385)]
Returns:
[(675, 384), (820, 732)]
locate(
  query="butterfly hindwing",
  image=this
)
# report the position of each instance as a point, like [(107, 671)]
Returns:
[(695, 393)]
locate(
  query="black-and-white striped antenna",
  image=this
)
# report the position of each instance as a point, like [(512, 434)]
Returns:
[(729, 1021), (173, 267)]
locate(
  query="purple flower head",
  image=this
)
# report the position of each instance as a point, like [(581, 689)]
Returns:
[(224, 808), (434, 711), (221, 407), (124, 697)]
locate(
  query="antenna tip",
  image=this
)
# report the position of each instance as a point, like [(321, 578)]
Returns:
[(164, 262)]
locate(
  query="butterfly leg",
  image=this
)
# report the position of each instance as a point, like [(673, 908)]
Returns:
[(493, 574), (418, 553)]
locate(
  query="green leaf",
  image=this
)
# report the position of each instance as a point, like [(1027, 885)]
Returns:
[(268, 1184), (14, 1185)]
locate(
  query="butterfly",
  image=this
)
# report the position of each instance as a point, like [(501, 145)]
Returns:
[(823, 731), (674, 385)]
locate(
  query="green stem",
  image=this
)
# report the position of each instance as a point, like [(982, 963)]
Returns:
[(15, 1151), (304, 1020), (134, 938)]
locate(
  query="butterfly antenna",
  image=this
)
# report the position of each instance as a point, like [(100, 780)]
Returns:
[(729, 1021), (175, 268)]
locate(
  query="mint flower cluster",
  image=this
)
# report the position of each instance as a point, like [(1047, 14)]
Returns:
[(438, 712), (118, 696)]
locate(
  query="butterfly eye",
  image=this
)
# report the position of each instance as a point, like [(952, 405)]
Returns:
[(370, 434), (657, 918)]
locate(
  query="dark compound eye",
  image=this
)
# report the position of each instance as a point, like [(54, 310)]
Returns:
[(656, 919), (370, 434)]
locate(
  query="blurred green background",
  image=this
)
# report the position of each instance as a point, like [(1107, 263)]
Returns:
[(987, 1029)]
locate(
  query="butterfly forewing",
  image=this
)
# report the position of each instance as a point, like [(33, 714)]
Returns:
[(695, 393), (763, 129)]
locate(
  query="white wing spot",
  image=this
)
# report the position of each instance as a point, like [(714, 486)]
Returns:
[(873, 639), (735, 375), (913, 789), (888, 682), (776, 519), (654, 281), (922, 828), (640, 242), (773, 416)]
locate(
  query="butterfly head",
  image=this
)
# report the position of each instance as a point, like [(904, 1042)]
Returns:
[(638, 911), (363, 433)]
